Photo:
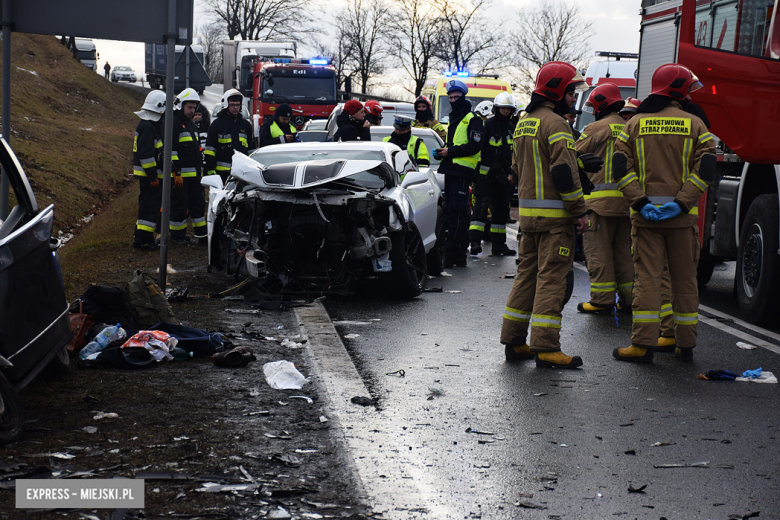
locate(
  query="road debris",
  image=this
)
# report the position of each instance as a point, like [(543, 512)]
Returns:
[(530, 505), (363, 401), (478, 432), (90, 429), (640, 489), (454, 292), (103, 415), (656, 444), (432, 289), (305, 398), (400, 372), (746, 346), (282, 375), (351, 336), (705, 464)]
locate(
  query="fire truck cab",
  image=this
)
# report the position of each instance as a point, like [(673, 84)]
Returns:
[(733, 46)]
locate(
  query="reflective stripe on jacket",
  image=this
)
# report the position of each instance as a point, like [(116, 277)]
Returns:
[(599, 138)]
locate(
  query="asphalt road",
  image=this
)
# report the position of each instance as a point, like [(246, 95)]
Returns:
[(572, 442)]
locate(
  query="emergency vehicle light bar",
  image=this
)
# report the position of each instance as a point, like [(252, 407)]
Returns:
[(465, 74), (618, 55), (313, 61)]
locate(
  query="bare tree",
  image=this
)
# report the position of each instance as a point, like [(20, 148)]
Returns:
[(415, 26), (550, 32), (361, 23), (340, 50), (211, 36), (467, 38), (264, 19)]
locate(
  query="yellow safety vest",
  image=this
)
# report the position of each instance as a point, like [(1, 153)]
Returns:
[(462, 137), (277, 132)]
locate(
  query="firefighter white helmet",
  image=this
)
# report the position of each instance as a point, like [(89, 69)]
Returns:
[(153, 107), (229, 94), (505, 100), (188, 94), (484, 109)]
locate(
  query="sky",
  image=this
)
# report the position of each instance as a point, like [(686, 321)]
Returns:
[(615, 24)]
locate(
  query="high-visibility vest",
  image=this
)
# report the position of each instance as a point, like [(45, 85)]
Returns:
[(462, 137), (277, 132), (413, 148)]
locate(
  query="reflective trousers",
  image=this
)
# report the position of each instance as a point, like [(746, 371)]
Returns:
[(608, 252), (652, 247), (456, 202), (536, 299), (188, 201), (493, 194), (667, 320), (149, 202)]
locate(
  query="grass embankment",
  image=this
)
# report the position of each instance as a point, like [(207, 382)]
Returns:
[(73, 133)]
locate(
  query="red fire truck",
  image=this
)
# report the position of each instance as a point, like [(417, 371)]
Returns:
[(733, 46), (307, 85)]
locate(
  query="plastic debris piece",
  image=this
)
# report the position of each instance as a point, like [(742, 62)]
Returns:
[(363, 401), (57, 455), (454, 292), (432, 289), (288, 459), (445, 273), (746, 346), (525, 495), (246, 474), (629, 452), (279, 513), (540, 394), (478, 432), (282, 375), (319, 505), (351, 336), (399, 372), (103, 415), (90, 429), (213, 487), (305, 398), (323, 419), (307, 451), (288, 343), (423, 334), (486, 441), (765, 377), (436, 391), (508, 276), (280, 327), (530, 505), (182, 438), (705, 464), (656, 444), (752, 373), (261, 412), (640, 489)]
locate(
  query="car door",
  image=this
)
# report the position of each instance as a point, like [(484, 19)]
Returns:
[(34, 321), (423, 195)]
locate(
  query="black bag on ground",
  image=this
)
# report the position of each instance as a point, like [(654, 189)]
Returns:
[(148, 303), (108, 304)]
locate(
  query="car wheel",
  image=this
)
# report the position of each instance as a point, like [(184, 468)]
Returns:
[(219, 244), (436, 256), (410, 267), (59, 365), (758, 265), (11, 413)]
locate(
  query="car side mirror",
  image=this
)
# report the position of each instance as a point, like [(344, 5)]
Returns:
[(212, 181)]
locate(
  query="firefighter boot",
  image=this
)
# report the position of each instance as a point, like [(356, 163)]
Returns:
[(589, 308), (518, 353), (684, 354), (502, 250), (557, 360), (632, 353), (666, 344), (476, 248)]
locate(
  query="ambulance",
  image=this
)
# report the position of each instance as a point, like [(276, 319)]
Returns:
[(482, 87), (620, 68)]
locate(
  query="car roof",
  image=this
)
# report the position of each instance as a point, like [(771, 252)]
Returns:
[(367, 145), (391, 129)]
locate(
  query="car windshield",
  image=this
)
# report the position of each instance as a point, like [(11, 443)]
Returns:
[(445, 108), (289, 89), (122, 68), (281, 156), (431, 143)]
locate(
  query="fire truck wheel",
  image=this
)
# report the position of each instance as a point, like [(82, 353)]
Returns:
[(758, 264), (705, 268)]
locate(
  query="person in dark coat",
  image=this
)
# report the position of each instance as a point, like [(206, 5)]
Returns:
[(278, 130), (352, 124)]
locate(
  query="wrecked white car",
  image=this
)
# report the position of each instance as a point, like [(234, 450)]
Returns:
[(312, 218)]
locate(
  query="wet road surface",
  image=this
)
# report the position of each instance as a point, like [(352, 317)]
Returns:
[(571, 442)]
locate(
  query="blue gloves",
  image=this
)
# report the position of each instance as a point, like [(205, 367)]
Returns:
[(669, 210), (752, 373), (650, 212)]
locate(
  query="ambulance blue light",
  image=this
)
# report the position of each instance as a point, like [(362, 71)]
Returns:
[(463, 73), (448, 73)]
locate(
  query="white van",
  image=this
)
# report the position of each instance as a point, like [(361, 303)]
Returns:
[(619, 68)]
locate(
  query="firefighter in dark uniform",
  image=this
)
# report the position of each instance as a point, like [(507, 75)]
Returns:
[(550, 202), (187, 198), (229, 132), (148, 169), (403, 138), (493, 187), (664, 161), (278, 130), (424, 113), (608, 240), (459, 162)]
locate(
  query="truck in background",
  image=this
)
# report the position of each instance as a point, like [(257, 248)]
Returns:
[(156, 61), (84, 50), (482, 87), (621, 71), (733, 46), (239, 57)]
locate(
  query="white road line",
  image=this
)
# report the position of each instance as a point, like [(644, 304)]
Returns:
[(715, 323)]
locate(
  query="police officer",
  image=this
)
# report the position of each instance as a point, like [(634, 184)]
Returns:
[(403, 138), (422, 108), (229, 132), (187, 198), (608, 240), (278, 130), (493, 187), (550, 201), (374, 111), (459, 162), (148, 169), (664, 161)]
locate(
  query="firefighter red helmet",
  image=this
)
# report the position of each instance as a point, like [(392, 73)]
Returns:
[(556, 77), (630, 107), (373, 107), (603, 96), (674, 81), (422, 99)]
